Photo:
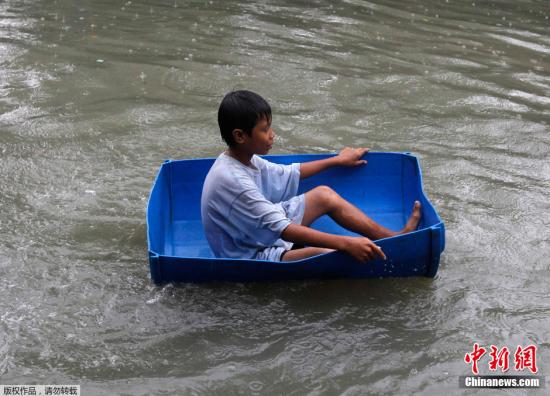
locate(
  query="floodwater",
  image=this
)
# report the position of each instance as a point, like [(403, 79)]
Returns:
[(94, 95)]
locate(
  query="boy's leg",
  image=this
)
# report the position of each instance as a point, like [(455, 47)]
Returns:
[(302, 253), (323, 200)]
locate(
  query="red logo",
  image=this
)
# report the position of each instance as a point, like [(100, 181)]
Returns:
[(524, 358)]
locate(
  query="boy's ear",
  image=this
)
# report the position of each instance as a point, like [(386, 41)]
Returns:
[(238, 135)]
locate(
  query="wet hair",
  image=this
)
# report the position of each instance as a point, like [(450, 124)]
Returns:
[(241, 110)]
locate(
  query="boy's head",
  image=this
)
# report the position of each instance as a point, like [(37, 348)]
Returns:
[(241, 110)]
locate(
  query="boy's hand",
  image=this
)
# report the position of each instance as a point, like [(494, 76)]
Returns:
[(352, 156), (346, 157), (363, 249)]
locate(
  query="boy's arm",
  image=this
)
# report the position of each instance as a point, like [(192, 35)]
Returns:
[(361, 248), (346, 157)]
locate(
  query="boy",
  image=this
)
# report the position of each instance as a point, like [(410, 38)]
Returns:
[(249, 206)]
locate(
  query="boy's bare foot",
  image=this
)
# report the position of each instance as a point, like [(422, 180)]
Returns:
[(414, 219)]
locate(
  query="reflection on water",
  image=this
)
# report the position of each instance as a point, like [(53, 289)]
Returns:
[(94, 95)]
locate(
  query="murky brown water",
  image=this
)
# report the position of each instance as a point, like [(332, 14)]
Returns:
[(94, 95)]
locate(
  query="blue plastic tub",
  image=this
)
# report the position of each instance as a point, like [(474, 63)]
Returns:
[(385, 189)]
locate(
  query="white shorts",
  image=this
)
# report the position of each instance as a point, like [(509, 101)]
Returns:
[(294, 209)]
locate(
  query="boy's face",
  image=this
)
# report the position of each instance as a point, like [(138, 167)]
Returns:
[(261, 139)]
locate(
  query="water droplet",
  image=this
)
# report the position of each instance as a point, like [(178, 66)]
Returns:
[(255, 386)]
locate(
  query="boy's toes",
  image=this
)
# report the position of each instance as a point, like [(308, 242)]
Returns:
[(413, 221), (416, 208)]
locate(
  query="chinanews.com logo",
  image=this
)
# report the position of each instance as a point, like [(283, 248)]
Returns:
[(523, 360)]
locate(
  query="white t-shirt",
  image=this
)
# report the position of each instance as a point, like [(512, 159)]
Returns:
[(243, 207)]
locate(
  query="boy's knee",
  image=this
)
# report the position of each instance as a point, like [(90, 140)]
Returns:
[(328, 197)]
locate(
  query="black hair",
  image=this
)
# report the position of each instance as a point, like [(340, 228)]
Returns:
[(241, 110)]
